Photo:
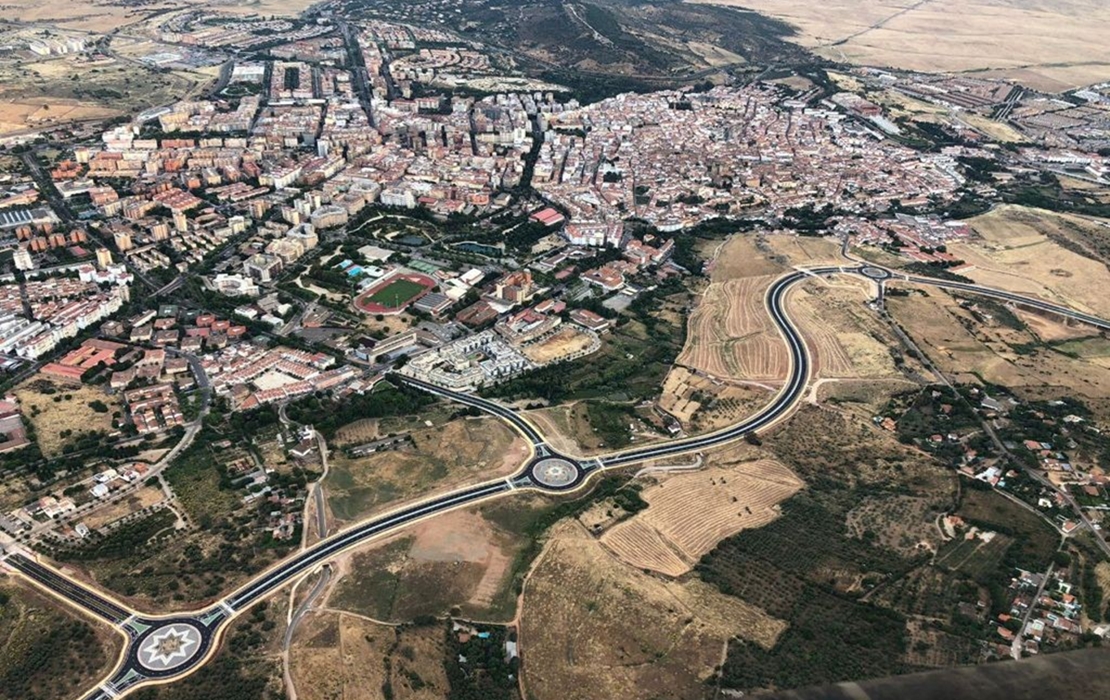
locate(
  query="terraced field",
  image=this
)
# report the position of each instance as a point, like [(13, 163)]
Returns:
[(730, 334), (690, 513)]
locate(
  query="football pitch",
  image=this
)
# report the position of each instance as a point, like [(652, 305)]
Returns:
[(395, 294)]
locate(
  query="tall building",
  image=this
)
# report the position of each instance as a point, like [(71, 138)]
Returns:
[(123, 241), (23, 260), (103, 258), (262, 267), (515, 287)]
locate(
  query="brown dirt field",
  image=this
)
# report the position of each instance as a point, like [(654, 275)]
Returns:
[(29, 113), (54, 418), (464, 536), (338, 655), (442, 457), (582, 644), (965, 350), (389, 324), (458, 559), (689, 513), (1016, 251), (142, 498), (566, 341), (956, 35), (567, 428)]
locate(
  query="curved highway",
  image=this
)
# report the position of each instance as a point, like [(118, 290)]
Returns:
[(160, 648)]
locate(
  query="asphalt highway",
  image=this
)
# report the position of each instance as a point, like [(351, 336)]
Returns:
[(547, 470), (786, 398), (83, 597), (1013, 298), (321, 552), (503, 412)]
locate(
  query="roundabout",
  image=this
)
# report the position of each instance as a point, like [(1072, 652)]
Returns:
[(168, 647), (875, 273), (163, 649), (555, 472)]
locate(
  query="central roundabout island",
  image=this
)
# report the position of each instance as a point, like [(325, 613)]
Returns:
[(169, 647), (556, 473)]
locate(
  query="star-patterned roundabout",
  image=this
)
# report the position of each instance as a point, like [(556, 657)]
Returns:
[(170, 646)]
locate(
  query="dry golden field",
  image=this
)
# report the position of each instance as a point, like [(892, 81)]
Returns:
[(1050, 44), (339, 655), (1020, 250), (730, 333), (689, 513), (442, 457), (582, 642), (966, 348), (564, 342), (845, 336), (60, 413), (143, 498), (794, 250)]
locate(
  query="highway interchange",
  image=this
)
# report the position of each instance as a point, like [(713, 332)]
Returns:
[(161, 648)]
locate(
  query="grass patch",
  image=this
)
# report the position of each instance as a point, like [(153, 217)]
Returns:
[(373, 591), (396, 294), (1034, 540)]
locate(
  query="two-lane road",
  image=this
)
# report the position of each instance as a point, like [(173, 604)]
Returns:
[(191, 638)]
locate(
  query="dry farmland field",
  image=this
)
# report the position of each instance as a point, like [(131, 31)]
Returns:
[(1006, 38), (968, 348), (846, 337), (1029, 251), (730, 333), (702, 404), (582, 643), (689, 513)]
